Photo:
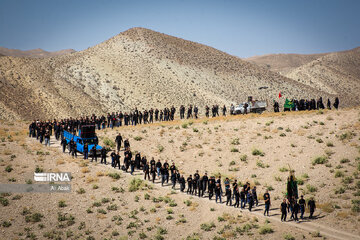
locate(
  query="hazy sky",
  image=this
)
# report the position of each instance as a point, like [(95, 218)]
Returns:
[(241, 28)]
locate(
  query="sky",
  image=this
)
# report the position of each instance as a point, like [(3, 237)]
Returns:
[(240, 28)]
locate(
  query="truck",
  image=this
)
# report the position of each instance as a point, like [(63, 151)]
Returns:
[(253, 106), (87, 135)]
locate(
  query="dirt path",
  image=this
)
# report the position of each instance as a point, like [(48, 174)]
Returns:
[(274, 213)]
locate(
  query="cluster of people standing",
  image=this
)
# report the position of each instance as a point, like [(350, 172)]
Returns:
[(305, 104)]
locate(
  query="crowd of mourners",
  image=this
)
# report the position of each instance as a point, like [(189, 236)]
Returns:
[(236, 194), (305, 104)]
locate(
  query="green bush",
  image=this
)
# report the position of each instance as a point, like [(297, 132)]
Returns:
[(138, 138), (114, 175), (8, 168), (108, 142), (311, 188), (234, 150), (62, 204), (344, 160), (320, 160), (184, 125), (265, 229), (339, 174), (243, 158), (257, 152), (135, 184), (207, 227), (288, 236), (235, 141)]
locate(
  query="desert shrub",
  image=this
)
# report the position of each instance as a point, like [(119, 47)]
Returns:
[(108, 142), (4, 201), (95, 186), (348, 180), (35, 217), (135, 184), (232, 163), (187, 202), (338, 174), (243, 158), (235, 141), (38, 169), (283, 169), (234, 150), (282, 135), (340, 190), (160, 148), (207, 227), (300, 181), (80, 191), (344, 160), (320, 160), (112, 207), (288, 236), (195, 130), (319, 140), (311, 188), (257, 152), (62, 204), (355, 205), (184, 125), (138, 138), (8, 168), (266, 229), (6, 224), (114, 175), (329, 144), (260, 164)]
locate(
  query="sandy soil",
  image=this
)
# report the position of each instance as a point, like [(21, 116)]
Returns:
[(285, 139)]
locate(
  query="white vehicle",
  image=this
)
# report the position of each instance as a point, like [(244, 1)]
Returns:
[(252, 106)]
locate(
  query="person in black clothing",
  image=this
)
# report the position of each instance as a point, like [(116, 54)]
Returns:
[(205, 181), (152, 162), (93, 153), (228, 195), (189, 181), (132, 166), (63, 144), (146, 171), (166, 171), (199, 186), (312, 206), (196, 110), (194, 185), (163, 175), (224, 110), (158, 166), (137, 160), (86, 151), (218, 192), (173, 180), (113, 160), (103, 156), (283, 208), (302, 205), (234, 186), (250, 200), (328, 104), (126, 143), (118, 141), (71, 146), (336, 103), (182, 183), (296, 210), (254, 194), (211, 187), (267, 202), (153, 172), (74, 150), (242, 198), (236, 193), (117, 160)]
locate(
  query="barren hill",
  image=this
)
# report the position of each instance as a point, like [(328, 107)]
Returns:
[(137, 68), (336, 73), (39, 53), (283, 63)]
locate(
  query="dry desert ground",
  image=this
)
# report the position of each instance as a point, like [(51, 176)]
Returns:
[(323, 147)]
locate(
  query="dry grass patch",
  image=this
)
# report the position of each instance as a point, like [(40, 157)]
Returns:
[(85, 170), (100, 174), (60, 161), (91, 179), (326, 207)]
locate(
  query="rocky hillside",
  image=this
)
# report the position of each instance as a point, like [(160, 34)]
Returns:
[(36, 53), (138, 67), (283, 63), (336, 73)]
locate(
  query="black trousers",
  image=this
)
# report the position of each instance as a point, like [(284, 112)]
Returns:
[(283, 216), (147, 174)]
